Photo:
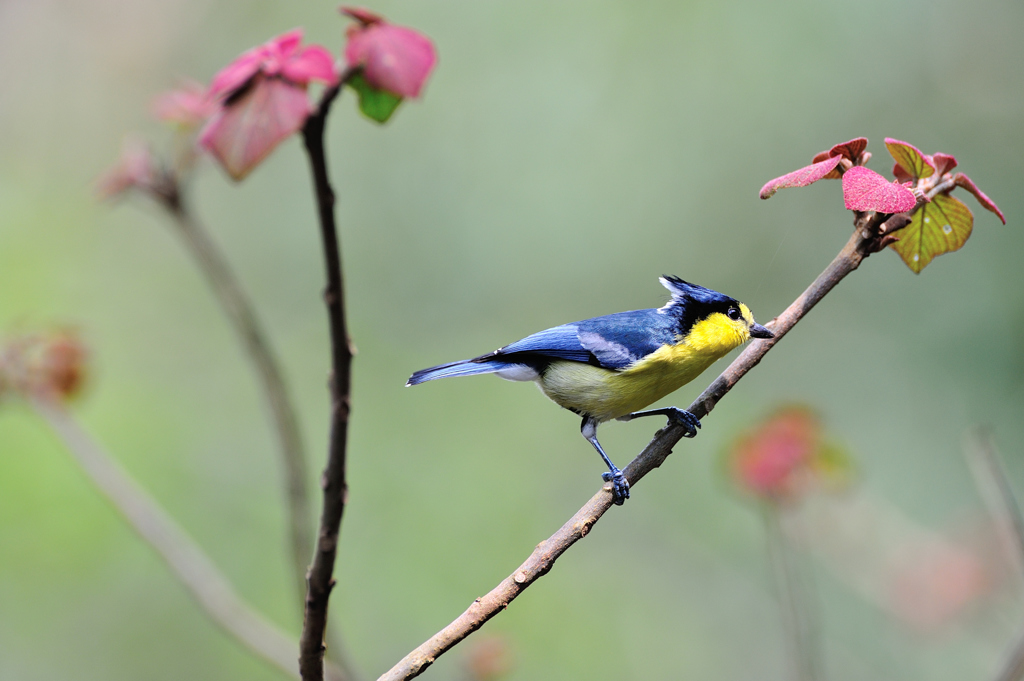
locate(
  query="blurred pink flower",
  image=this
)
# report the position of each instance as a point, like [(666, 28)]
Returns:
[(394, 58), (933, 582), (780, 458), (187, 106), (134, 169), (280, 56), (263, 100)]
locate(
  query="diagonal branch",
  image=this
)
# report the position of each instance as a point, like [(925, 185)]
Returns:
[(319, 579), (186, 560), (867, 238)]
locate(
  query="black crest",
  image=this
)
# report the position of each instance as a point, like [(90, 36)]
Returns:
[(693, 303)]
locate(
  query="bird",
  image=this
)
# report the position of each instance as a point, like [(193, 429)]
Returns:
[(612, 367)]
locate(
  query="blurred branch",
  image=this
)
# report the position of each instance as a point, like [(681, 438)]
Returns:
[(995, 489), (240, 313), (793, 600), (1014, 669), (319, 579), (193, 568), (870, 236)]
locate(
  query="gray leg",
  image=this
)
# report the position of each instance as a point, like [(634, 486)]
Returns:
[(620, 486), (674, 414)]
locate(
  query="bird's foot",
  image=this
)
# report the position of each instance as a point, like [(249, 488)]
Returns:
[(620, 486), (684, 419)]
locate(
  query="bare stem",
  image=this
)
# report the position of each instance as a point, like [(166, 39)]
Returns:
[(240, 313), (866, 239), (320, 578), (197, 573)]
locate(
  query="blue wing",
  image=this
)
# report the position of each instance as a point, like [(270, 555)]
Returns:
[(614, 341), (559, 342)]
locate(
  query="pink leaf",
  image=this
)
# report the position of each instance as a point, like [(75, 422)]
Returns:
[(134, 169), (362, 15), (188, 106), (237, 73), (285, 44), (850, 150), (864, 189), (833, 174), (802, 177), (394, 58), (962, 180), (243, 134), (943, 162), (280, 55), (910, 158), (900, 174), (312, 62)]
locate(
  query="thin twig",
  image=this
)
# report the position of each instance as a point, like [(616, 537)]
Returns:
[(320, 578), (186, 560), (239, 311), (865, 240)]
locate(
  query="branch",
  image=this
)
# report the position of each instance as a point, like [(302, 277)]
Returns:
[(240, 313), (319, 579), (867, 238), (186, 560)]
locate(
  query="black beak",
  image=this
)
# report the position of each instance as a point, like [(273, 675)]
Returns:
[(758, 331)]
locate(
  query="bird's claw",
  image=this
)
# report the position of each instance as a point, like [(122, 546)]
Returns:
[(684, 419), (620, 486)]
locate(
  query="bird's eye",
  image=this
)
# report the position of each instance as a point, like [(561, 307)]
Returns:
[(734, 313)]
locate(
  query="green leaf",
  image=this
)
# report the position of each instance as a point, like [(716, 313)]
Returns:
[(942, 226), (375, 104), (910, 158)]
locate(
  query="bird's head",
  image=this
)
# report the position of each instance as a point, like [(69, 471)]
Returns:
[(708, 320)]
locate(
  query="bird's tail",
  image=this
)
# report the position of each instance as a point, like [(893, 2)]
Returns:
[(466, 367)]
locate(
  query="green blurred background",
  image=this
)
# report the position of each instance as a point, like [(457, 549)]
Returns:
[(564, 155)]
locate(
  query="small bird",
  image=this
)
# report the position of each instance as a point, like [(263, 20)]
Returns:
[(611, 367)]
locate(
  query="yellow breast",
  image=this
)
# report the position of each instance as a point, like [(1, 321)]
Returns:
[(605, 394)]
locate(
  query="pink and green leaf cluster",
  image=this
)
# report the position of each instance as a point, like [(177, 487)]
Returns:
[(393, 62), (263, 100), (863, 189), (938, 224), (260, 99), (943, 224)]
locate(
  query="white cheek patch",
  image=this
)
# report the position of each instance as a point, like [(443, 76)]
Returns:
[(518, 372)]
